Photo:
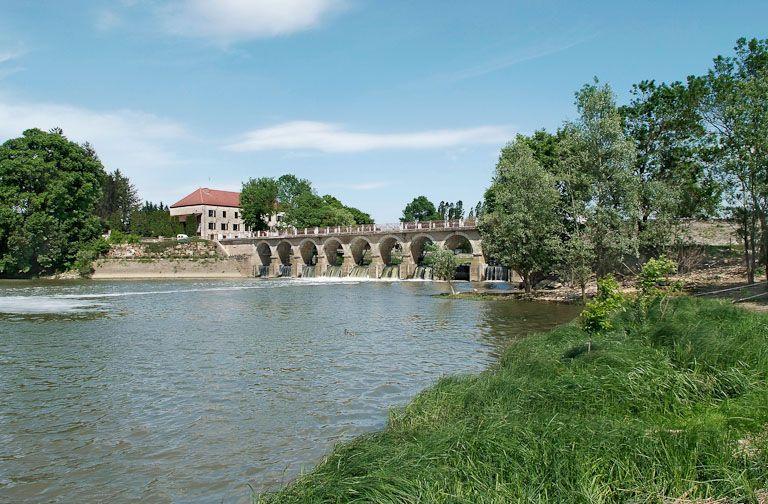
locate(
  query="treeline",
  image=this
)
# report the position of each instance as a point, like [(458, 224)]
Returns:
[(298, 203), (610, 188), (422, 209)]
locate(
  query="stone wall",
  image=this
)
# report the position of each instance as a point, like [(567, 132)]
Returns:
[(232, 267)]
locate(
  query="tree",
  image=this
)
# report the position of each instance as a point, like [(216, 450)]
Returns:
[(258, 201), (118, 201), (735, 107), (289, 188), (420, 209), (674, 160), (599, 185), (154, 219), (49, 190), (523, 229), (443, 263)]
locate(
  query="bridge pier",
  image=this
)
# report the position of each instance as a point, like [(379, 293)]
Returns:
[(347, 263), (477, 268), (407, 267), (322, 265), (297, 262), (376, 267), (274, 266)]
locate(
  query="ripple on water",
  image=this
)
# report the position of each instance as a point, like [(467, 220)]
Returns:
[(198, 389)]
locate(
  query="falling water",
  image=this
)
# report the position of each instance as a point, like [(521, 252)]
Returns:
[(360, 272), (308, 271), (263, 271), (285, 270), (496, 274), (391, 272), (423, 273), (333, 271)]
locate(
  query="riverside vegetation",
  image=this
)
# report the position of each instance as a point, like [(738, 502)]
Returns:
[(655, 398)]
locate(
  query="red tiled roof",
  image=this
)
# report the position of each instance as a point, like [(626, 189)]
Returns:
[(205, 196)]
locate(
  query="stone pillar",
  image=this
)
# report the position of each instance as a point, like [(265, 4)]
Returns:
[(297, 263), (477, 268), (407, 267), (274, 267), (322, 265), (377, 266)]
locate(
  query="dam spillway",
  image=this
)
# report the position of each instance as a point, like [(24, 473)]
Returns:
[(376, 251)]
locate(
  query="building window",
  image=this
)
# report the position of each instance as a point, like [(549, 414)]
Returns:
[(235, 227), (223, 226), (224, 214), (211, 225), (211, 213), (235, 215), (279, 218)]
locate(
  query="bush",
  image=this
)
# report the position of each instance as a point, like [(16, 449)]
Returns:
[(117, 237), (84, 258), (654, 276), (598, 315)]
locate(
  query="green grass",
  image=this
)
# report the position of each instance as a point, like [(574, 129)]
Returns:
[(669, 406)]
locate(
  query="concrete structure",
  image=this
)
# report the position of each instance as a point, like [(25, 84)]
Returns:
[(347, 246), (217, 214)]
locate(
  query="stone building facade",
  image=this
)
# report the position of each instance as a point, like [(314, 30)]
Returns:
[(217, 213)]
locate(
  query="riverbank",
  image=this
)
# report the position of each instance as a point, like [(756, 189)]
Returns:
[(668, 408)]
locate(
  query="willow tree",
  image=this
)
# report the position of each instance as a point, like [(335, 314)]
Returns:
[(736, 108), (522, 228), (600, 186)]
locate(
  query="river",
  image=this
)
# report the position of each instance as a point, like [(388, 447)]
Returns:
[(198, 391)]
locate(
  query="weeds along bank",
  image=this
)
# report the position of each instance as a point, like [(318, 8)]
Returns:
[(669, 400)]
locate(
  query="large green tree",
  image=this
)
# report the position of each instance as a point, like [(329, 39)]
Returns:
[(674, 160), (420, 209), (119, 200), (522, 228), (259, 201), (598, 169), (49, 191), (736, 108)]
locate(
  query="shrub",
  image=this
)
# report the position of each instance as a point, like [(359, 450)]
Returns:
[(599, 312), (654, 277), (117, 237), (84, 258)]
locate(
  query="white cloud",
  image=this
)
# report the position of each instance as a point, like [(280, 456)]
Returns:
[(142, 145), (107, 19), (325, 137), (245, 19)]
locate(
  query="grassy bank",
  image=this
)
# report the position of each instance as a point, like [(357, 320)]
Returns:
[(669, 406)]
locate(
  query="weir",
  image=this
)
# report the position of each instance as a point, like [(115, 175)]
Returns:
[(390, 251)]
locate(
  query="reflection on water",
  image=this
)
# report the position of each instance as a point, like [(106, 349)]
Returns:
[(188, 391)]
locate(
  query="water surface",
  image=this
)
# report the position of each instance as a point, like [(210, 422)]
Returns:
[(189, 391)]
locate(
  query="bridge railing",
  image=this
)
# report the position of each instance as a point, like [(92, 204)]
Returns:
[(371, 228)]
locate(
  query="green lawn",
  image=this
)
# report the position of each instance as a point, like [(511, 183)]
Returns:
[(671, 405)]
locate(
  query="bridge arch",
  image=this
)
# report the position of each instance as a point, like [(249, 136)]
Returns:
[(284, 252), (459, 241), (334, 252), (309, 251), (387, 245), (359, 246), (264, 251), (418, 246)]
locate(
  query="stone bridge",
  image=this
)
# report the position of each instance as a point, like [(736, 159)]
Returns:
[(345, 250)]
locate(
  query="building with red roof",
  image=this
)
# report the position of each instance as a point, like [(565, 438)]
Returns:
[(217, 213)]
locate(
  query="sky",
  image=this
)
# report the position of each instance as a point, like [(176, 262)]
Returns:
[(375, 102)]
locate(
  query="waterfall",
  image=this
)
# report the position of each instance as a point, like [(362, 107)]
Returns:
[(423, 273), (285, 270), (360, 272), (496, 274), (391, 272), (263, 271), (308, 271), (333, 271)]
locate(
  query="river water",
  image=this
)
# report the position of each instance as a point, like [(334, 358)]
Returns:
[(198, 391)]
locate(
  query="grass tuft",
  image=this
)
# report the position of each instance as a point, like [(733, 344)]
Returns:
[(669, 406)]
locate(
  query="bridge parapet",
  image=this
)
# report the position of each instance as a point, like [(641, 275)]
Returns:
[(447, 225)]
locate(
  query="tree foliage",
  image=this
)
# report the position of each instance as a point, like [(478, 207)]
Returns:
[(119, 200), (258, 202), (523, 229), (49, 190), (420, 209), (443, 263)]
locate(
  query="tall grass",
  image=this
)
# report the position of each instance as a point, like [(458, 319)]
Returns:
[(672, 404)]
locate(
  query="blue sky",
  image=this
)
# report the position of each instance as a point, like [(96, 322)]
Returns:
[(374, 101)]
